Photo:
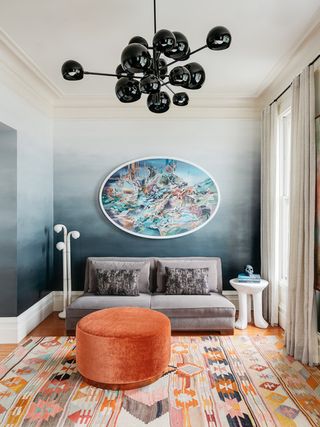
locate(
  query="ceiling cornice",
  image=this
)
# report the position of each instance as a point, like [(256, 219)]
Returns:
[(291, 65), (101, 107), (20, 73)]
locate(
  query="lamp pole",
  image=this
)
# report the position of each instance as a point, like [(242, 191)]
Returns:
[(75, 235), (62, 246), (65, 247)]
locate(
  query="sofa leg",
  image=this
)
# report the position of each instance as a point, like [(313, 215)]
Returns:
[(227, 332)]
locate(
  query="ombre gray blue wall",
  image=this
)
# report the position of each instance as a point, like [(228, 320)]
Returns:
[(86, 151), (8, 220), (26, 243)]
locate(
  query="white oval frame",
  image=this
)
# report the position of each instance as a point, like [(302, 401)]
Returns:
[(160, 158)]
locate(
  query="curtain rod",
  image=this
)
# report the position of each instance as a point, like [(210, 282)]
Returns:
[(288, 87)]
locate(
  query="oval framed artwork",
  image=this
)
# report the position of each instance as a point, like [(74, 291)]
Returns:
[(159, 197)]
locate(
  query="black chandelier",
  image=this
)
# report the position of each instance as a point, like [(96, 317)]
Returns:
[(140, 72)]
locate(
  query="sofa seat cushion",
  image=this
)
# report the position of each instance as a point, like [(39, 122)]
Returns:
[(213, 305), (90, 302)]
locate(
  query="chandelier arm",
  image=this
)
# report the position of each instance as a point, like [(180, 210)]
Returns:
[(169, 88), (198, 50), (191, 53), (92, 73), (165, 83)]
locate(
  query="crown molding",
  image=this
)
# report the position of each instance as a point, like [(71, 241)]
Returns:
[(291, 65), (23, 76), (99, 107)]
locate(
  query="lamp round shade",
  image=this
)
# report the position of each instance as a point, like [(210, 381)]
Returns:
[(135, 58), (127, 90), (72, 71), (219, 38)]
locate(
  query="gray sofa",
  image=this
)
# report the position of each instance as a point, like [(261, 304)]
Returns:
[(211, 312)]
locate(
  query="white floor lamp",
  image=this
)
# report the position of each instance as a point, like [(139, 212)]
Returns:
[(65, 247), (75, 235)]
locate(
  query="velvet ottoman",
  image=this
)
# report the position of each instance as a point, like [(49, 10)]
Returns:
[(123, 348)]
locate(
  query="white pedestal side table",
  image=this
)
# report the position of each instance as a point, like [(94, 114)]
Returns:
[(245, 290)]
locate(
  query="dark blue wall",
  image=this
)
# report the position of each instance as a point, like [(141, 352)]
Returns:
[(229, 149)]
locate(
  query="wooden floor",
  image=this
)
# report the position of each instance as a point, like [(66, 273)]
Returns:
[(53, 326)]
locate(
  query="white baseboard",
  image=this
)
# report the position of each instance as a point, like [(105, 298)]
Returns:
[(32, 317), (233, 297), (8, 330), (14, 329)]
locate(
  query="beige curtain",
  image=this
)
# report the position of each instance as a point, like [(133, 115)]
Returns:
[(301, 330), (268, 212)]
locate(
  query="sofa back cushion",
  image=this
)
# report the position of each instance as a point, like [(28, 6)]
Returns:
[(156, 277), (118, 263), (212, 263)]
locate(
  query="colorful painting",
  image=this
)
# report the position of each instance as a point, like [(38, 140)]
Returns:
[(159, 198)]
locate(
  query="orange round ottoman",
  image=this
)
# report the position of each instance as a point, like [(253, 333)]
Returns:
[(123, 348)]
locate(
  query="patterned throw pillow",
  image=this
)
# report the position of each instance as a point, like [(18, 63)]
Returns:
[(187, 281), (118, 282)]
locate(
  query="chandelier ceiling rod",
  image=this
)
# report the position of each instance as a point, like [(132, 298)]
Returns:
[(155, 16), (144, 72)]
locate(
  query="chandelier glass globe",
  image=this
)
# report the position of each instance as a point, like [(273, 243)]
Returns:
[(219, 38), (164, 41), (181, 49), (180, 99), (150, 84), (158, 102), (197, 74), (127, 90), (72, 71), (135, 58), (179, 76), (140, 40)]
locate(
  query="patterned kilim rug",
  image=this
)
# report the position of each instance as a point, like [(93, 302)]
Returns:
[(219, 381)]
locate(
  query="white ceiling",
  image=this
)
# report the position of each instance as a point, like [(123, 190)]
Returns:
[(94, 32)]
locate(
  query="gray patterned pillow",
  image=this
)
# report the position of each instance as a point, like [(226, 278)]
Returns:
[(187, 281), (117, 282)]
